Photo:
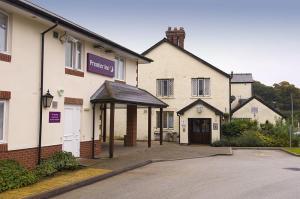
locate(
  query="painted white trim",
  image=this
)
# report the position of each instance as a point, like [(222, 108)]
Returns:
[(7, 51), (4, 140), (117, 59)]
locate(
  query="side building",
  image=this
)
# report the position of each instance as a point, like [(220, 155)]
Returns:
[(196, 91), (49, 70)]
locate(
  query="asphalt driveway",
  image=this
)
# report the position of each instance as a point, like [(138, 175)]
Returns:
[(246, 174)]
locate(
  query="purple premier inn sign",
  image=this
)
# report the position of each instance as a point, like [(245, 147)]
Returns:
[(54, 117), (100, 65)]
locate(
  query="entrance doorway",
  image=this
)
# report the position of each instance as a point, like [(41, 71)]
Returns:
[(71, 138), (199, 130)]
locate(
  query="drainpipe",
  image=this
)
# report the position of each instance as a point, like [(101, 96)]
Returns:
[(42, 90), (231, 75), (179, 127)]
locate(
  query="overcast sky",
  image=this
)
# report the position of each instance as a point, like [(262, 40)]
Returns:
[(257, 36)]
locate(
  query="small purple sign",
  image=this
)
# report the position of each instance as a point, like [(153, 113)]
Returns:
[(54, 117), (100, 65)]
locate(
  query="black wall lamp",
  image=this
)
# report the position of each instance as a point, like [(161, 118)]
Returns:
[(47, 99)]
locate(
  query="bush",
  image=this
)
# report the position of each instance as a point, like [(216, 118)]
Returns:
[(46, 168), (13, 175), (63, 161), (237, 127)]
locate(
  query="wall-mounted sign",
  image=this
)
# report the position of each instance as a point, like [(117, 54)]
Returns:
[(100, 65), (54, 117), (215, 126)]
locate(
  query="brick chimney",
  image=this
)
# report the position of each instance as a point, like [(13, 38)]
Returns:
[(176, 36)]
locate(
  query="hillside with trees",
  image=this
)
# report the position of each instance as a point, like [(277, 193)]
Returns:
[(279, 96)]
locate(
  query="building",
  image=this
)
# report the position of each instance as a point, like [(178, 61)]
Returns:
[(255, 108), (51, 70), (245, 105), (196, 91), (241, 88)]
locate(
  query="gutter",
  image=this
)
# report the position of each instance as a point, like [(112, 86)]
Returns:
[(230, 78), (42, 90)]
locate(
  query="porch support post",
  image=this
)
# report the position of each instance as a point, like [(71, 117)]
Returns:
[(93, 137), (161, 126), (111, 131), (104, 123), (149, 127)]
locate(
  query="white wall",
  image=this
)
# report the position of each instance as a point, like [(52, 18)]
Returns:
[(264, 113), (240, 91)]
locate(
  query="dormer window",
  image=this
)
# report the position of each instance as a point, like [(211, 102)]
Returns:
[(3, 32)]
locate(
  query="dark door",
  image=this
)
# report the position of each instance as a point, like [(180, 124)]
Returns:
[(200, 131)]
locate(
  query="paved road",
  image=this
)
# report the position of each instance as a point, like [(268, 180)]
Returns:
[(247, 174)]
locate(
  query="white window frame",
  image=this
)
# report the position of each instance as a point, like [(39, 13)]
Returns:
[(160, 87), (168, 125), (117, 61), (3, 140), (74, 56), (7, 32), (204, 85)]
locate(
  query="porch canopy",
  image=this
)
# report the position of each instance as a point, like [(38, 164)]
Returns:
[(112, 93)]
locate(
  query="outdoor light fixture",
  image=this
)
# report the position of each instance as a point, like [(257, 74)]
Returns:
[(47, 99)]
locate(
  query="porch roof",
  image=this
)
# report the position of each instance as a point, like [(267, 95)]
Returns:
[(200, 101), (114, 92)]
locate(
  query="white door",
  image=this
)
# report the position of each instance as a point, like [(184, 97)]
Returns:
[(71, 139)]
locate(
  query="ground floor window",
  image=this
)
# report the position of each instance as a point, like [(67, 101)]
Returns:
[(2, 119), (168, 119)]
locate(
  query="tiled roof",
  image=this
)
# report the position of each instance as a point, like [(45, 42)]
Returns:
[(242, 78), (125, 94)]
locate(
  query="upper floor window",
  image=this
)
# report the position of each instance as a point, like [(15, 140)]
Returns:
[(2, 120), (165, 87), (3, 32), (168, 119), (200, 87), (73, 54), (120, 69)]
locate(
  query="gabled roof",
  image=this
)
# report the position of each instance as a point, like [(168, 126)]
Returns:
[(125, 94), (164, 40), (261, 101), (50, 16), (242, 78), (200, 101)]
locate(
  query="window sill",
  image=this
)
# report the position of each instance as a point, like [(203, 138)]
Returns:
[(201, 97), (73, 72), (120, 81), (166, 97), (5, 57)]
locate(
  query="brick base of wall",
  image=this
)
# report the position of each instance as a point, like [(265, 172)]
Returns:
[(86, 149), (28, 157)]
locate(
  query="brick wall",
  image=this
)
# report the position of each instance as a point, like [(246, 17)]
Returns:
[(131, 125), (86, 149), (28, 157)]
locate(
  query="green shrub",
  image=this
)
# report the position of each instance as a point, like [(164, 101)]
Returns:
[(46, 168), (13, 175), (64, 161), (221, 143), (248, 139), (238, 126)]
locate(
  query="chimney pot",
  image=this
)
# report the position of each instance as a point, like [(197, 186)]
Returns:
[(176, 36)]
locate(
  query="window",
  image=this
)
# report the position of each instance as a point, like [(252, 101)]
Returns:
[(165, 87), (168, 119), (2, 121), (3, 32), (120, 69), (200, 87), (73, 54)]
